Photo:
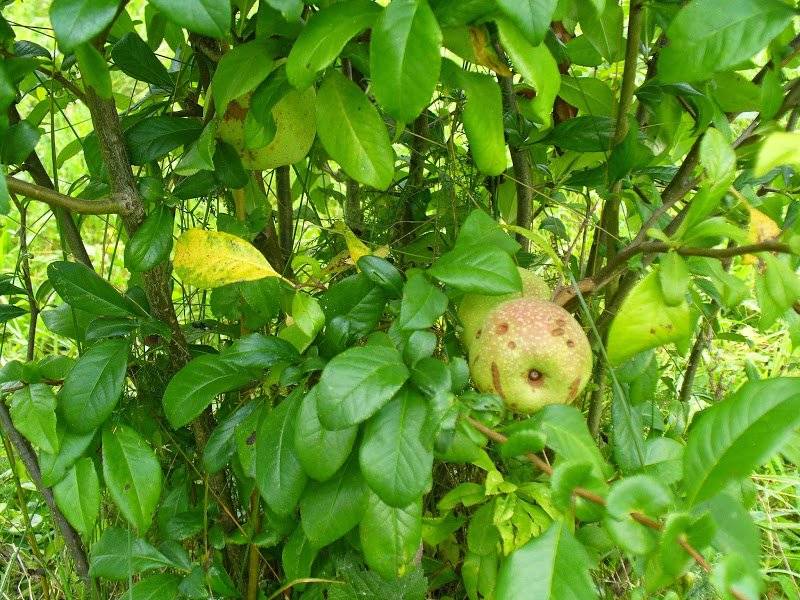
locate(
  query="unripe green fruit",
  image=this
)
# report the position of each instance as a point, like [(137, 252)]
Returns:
[(531, 353), (296, 126), (474, 308)]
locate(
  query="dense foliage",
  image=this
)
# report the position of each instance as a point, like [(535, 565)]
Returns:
[(270, 270)]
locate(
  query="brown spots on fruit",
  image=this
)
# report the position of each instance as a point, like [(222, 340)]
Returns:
[(478, 334), (561, 322), (501, 328), (571, 343), (535, 378), (496, 380), (235, 111), (653, 330), (511, 345), (574, 387), (557, 332)]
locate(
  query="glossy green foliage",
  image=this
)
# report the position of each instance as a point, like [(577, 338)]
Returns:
[(330, 419)]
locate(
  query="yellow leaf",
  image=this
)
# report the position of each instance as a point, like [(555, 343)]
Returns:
[(209, 259), (484, 53), (761, 229), (355, 246)]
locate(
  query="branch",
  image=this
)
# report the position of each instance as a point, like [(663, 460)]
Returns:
[(28, 457), (106, 206), (629, 71), (594, 498), (520, 158), (591, 285)]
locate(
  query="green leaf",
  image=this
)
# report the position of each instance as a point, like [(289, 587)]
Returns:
[(297, 556), (717, 157), (382, 272), (82, 288), (194, 387), (161, 586), (567, 434), (353, 133), (480, 269), (18, 141), (479, 229), (404, 58), (206, 17), (330, 509), (78, 496), (78, 21), (736, 532), (531, 17), (704, 40), (483, 117), (134, 57), (638, 494), (390, 537), (240, 71), (583, 134), (357, 383), (290, 9), (733, 573), (321, 452), (324, 37), (603, 30), (132, 474), (118, 555), (537, 67), (279, 475), (307, 314), (260, 126), (423, 303), (553, 566), (94, 385), (33, 412), (673, 276), (570, 475), (221, 444), (72, 446), (730, 439), (697, 531), (151, 244), (94, 70), (592, 97), (394, 461), (479, 573), (10, 311), (777, 149), (645, 321), (155, 137), (628, 430)]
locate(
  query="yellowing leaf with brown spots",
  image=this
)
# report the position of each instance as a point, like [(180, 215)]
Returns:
[(209, 259)]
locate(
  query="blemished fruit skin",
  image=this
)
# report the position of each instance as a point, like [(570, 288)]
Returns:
[(531, 353), (295, 123), (474, 308)]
